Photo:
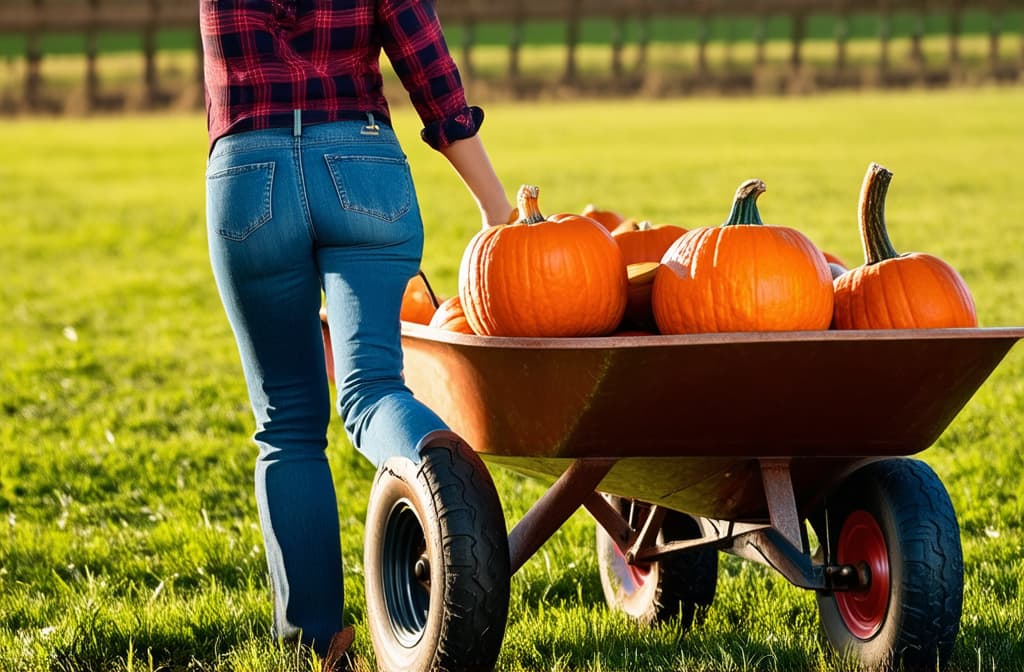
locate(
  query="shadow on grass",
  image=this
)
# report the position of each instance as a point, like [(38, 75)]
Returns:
[(108, 646), (625, 647)]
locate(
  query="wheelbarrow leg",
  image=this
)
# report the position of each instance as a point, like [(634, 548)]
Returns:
[(781, 545), (555, 507), (778, 491)]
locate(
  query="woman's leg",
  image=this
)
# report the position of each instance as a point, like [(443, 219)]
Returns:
[(369, 243), (262, 255)]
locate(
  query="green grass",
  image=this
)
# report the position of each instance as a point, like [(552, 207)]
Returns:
[(128, 535)]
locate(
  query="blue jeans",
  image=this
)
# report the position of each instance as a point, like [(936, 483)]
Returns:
[(291, 212)]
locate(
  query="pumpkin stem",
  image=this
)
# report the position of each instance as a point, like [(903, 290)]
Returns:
[(874, 236), (526, 201), (644, 226), (744, 206)]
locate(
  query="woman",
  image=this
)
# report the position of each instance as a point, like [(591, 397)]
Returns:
[(308, 189)]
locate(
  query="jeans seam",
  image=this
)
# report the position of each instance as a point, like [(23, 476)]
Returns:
[(303, 197)]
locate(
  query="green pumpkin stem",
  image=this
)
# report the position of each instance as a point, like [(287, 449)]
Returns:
[(526, 201), (874, 236), (744, 207)]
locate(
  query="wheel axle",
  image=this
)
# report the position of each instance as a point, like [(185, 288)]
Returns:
[(421, 569), (848, 577)]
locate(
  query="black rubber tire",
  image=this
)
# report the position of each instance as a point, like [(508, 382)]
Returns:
[(680, 585), (444, 510), (921, 540)]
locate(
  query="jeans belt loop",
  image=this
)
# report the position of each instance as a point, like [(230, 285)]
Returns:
[(371, 127), (297, 123)]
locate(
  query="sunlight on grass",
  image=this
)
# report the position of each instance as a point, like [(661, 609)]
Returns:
[(129, 537)]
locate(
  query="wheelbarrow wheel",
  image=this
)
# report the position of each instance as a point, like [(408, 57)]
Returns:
[(437, 563), (680, 585), (894, 519)]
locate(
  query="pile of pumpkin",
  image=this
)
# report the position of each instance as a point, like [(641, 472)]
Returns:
[(597, 273)]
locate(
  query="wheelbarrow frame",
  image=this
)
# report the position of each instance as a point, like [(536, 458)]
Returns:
[(927, 376)]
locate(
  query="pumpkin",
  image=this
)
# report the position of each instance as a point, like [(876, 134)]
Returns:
[(640, 242), (543, 277), (742, 276), (450, 316), (892, 290), (836, 266), (418, 301), (833, 259), (609, 219), (639, 314)]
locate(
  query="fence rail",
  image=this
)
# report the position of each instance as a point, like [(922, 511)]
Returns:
[(34, 19)]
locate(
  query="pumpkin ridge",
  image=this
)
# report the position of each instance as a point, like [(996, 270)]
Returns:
[(944, 274), (938, 275), (489, 289), (905, 306)]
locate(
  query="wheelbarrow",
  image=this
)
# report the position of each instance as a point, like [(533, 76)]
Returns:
[(681, 447)]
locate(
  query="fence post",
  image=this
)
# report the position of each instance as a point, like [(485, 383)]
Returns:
[(643, 38), (200, 82), (149, 52), (730, 38), (572, 38), (884, 30), (92, 79), (916, 36), (799, 30), (995, 28), (703, 35), (842, 35), (515, 42), (760, 38), (34, 56), (955, 21), (618, 40), (468, 36)]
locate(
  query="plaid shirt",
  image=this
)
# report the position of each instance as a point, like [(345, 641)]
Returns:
[(263, 59)]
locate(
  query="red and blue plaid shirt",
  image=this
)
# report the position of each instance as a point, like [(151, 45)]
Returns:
[(263, 59)]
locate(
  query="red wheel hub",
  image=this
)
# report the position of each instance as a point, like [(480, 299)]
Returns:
[(861, 542), (637, 573)]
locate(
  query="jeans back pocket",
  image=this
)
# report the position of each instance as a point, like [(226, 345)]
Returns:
[(239, 199), (377, 186)]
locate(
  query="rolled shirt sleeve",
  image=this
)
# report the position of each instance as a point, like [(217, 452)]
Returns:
[(414, 42)]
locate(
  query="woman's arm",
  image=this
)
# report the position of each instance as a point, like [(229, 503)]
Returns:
[(414, 42), (469, 159)]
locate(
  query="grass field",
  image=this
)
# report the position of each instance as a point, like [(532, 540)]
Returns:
[(128, 530)]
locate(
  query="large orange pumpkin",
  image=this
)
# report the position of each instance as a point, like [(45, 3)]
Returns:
[(892, 290), (640, 242), (450, 316), (609, 219), (418, 301), (742, 276), (558, 276)]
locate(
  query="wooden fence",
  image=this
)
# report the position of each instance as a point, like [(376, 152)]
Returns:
[(35, 19)]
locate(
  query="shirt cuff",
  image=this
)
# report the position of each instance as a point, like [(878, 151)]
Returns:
[(463, 124)]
